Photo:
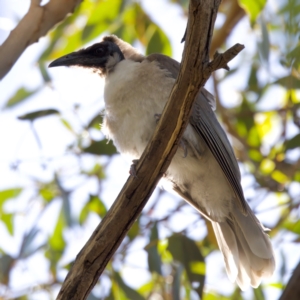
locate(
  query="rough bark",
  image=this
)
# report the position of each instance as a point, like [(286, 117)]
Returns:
[(35, 24), (194, 72), (292, 290)]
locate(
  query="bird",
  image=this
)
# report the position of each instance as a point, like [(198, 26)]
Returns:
[(204, 171)]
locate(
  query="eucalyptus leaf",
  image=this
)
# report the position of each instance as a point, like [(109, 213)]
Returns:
[(20, 96), (38, 114), (253, 8), (154, 259), (186, 251), (100, 148)]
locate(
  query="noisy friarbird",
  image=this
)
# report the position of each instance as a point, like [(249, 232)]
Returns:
[(204, 170)]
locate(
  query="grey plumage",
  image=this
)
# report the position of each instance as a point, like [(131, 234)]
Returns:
[(137, 88)]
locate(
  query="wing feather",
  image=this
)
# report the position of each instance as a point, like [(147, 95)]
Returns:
[(206, 125)]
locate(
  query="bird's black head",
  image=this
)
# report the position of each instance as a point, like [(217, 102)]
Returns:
[(101, 56)]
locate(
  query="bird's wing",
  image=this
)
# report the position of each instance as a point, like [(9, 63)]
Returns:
[(173, 66), (206, 125)]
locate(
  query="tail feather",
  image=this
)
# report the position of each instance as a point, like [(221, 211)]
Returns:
[(252, 229), (243, 279), (246, 249), (228, 244)]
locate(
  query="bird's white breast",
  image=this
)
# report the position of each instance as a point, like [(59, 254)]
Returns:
[(134, 92)]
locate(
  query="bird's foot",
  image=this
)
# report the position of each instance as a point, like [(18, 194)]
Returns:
[(132, 170), (183, 146), (157, 117)]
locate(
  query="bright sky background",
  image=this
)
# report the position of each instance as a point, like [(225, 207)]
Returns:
[(71, 86)]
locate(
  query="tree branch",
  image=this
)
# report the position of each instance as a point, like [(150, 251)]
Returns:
[(292, 290), (35, 24), (194, 72), (234, 13)]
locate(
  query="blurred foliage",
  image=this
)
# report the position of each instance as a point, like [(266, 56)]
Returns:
[(253, 9), (176, 263), (21, 95)]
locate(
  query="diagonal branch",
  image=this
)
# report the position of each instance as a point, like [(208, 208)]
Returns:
[(35, 24), (194, 72), (292, 290)]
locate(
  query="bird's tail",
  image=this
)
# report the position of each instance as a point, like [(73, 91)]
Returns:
[(246, 248)]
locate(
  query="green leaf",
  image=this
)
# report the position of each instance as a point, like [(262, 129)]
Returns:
[(129, 292), (176, 282), (6, 263), (146, 288), (96, 122), (67, 125), (264, 45), (277, 285), (38, 114), (212, 296), (246, 116), (7, 218), (292, 225), (57, 34), (183, 3), (253, 8), (259, 293), (236, 295), (294, 57), (279, 177), (253, 137), (103, 14), (154, 259), (29, 246), (297, 176), (293, 143), (8, 194), (289, 82), (21, 95), (134, 230), (95, 205), (186, 251), (53, 256), (97, 171), (267, 166), (57, 241), (101, 148), (44, 72), (138, 24), (255, 155), (158, 43), (252, 80), (48, 191)]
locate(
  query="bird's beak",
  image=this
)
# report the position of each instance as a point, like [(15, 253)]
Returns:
[(81, 59), (70, 59)]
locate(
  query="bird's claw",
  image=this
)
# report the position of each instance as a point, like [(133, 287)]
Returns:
[(182, 145), (157, 117), (132, 170)]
